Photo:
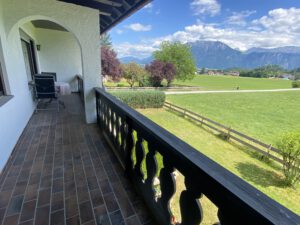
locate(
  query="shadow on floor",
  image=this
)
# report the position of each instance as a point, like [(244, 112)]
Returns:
[(260, 176)]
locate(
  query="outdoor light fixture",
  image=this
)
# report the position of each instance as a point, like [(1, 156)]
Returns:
[(38, 47)]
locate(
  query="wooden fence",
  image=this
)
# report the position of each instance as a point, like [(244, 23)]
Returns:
[(264, 149)]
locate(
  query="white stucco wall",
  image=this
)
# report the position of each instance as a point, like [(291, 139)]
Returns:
[(60, 53), (82, 22)]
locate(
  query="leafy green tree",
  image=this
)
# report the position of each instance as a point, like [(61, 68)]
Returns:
[(263, 72), (202, 71), (180, 56), (133, 73), (289, 146), (105, 40)]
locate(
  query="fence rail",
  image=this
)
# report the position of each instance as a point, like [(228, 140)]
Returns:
[(137, 142), (263, 148)]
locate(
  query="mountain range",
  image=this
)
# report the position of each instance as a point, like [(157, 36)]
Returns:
[(217, 55)]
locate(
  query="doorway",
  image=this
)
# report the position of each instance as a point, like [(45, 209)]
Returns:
[(29, 58)]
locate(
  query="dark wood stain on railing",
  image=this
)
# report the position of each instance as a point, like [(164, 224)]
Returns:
[(80, 87), (238, 202)]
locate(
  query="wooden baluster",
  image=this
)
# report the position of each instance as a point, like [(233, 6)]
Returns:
[(151, 164), (190, 207), (105, 117), (128, 145), (114, 128), (168, 188), (97, 108), (118, 132), (101, 113), (230, 214), (140, 155), (110, 123), (122, 133)]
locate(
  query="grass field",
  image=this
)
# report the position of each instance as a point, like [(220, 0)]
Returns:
[(240, 161), (207, 82), (264, 116)]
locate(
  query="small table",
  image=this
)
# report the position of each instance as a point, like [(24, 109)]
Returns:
[(63, 88)]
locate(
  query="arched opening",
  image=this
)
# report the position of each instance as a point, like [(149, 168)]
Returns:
[(47, 46)]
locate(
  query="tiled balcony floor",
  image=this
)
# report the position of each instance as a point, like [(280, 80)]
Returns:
[(61, 172)]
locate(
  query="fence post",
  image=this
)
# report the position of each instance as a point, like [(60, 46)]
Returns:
[(269, 149), (228, 133)]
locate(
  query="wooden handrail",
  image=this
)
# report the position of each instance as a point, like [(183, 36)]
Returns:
[(133, 136)]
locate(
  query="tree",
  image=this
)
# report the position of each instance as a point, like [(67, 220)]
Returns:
[(180, 56), (169, 73), (105, 40), (156, 71), (202, 71), (133, 73), (263, 72), (160, 70), (289, 146), (110, 64)]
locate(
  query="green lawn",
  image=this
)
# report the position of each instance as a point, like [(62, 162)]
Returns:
[(207, 82), (264, 116), (241, 162)]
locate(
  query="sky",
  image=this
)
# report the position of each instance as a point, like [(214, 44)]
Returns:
[(241, 24)]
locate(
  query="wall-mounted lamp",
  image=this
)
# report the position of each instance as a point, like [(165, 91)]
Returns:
[(38, 47)]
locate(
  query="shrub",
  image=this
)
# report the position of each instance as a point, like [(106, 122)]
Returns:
[(289, 146), (141, 99), (296, 84)]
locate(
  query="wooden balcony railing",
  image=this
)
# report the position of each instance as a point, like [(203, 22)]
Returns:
[(80, 87), (138, 143)]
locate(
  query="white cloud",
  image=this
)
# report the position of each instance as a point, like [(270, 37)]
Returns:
[(139, 27), (205, 7), (281, 20), (119, 31), (149, 6), (239, 18), (281, 27), (137, 50)]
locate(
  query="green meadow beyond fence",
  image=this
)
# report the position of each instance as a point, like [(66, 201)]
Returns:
[(228, 133)]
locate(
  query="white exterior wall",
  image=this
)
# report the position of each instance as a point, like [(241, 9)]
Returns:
[(82, 22), (59, 53)]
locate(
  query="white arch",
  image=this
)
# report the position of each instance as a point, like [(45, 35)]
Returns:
[(27, 19), (24, 20)]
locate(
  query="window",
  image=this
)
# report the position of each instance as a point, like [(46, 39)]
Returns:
[(29, 58), (2, 91)]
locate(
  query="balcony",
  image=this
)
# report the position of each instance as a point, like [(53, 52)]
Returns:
[(62, 172)]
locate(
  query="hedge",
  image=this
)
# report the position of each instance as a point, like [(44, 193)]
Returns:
[(296, 84), (141, 99)]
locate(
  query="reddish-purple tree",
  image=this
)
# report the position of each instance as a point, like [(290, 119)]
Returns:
[(111, 66), (156, 70), (169, 73), (160, 70)]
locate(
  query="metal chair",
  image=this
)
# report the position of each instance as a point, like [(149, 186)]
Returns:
[(50, 73), (45, 89)]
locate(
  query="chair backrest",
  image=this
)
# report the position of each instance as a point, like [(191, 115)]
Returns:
[(44, 86), (50, 73)]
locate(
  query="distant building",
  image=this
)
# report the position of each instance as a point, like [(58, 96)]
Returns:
[(287, 76), (233, 73)]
